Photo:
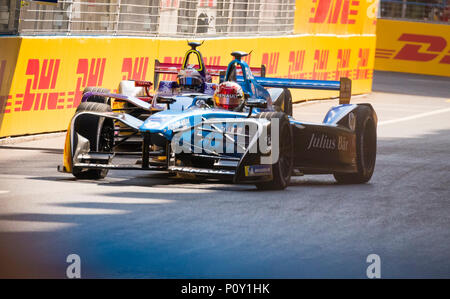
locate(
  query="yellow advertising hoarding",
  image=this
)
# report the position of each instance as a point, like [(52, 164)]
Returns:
[(413, 47), (42, 78)]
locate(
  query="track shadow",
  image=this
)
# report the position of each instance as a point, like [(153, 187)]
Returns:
[(314, 228)]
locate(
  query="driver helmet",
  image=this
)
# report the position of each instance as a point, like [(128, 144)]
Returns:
[(229, 96), (190, 79)]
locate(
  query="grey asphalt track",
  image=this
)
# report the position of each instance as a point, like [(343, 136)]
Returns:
[(140, 224)]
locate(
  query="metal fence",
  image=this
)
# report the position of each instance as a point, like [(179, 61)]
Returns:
[(9, 16), (428, 10), (177, 18)]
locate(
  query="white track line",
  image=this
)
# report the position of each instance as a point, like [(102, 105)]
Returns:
[(425, 114)]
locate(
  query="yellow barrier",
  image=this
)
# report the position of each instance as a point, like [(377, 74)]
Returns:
[(413, 47), (42, 78), (50, 73)]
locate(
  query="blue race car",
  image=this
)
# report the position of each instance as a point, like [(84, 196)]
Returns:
[(239, 130)]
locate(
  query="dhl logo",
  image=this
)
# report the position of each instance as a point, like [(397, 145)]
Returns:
[(270, 60), (334, 11), (296, 63), (343, 63), (134, 71), (90, 74), (321, 66), (42, 76), (420, 48), (362, 70)]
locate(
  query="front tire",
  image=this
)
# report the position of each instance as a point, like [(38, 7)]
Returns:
[(366, 149), (100, 133), (282, 169)]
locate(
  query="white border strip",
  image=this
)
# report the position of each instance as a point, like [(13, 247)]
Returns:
[(425, 114)]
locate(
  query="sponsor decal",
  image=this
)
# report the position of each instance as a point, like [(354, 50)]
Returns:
[(179, 125), (325, 142), (322, 142), (228, 96), (258, 170)]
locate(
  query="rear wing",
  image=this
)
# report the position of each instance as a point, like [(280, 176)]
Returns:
[(344, 85), (213, 70)]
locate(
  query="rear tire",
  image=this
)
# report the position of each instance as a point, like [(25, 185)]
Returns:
[(96, 99), (100, 133), (282, 169), (366, 149)]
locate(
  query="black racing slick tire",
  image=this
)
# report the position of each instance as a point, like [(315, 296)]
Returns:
[(95, 98), (282, 169), (366, 148), (100, 133), (284, 102)]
